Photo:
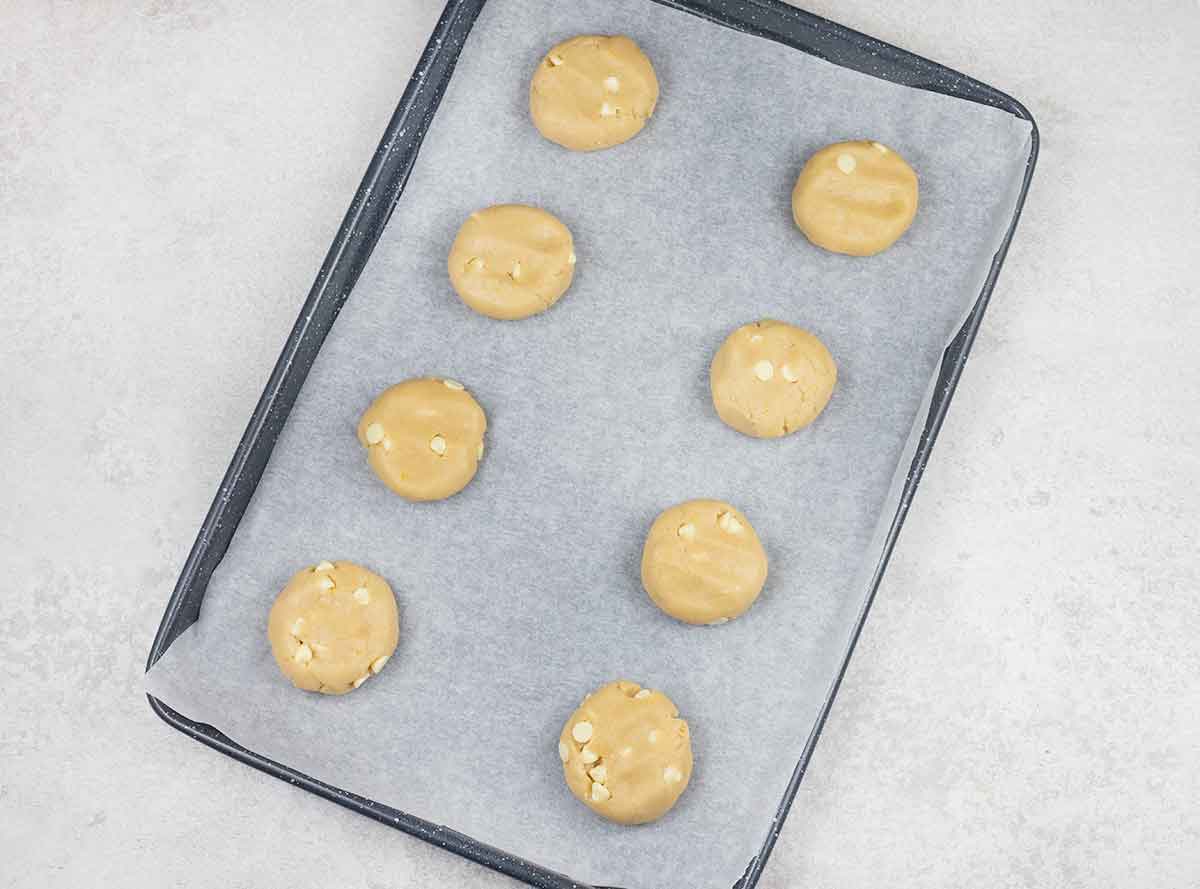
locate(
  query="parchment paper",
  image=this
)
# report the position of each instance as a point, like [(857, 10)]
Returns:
[(522, 593)]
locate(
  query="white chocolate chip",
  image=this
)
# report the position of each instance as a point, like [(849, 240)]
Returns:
[(612, 84), (764, 370), (627, 751), (361, 679), (324, 566), (846, 163), (588, 755), (718, 622), (554, 60), (374, 433), (476, 263), (756, 337), (362, 595), (377, 664), (562, 751), (303, 654), (453, 384), (326, 583), (728, 522), (298, 626), (880, 147), (653, 736), (582, 732), (607, 110), (387, 444), (572, 259), (516, 270), (599, 774), (687, 531), (437, 444), (600, 793), (788, 374), (672, 775), (479, 452), (643, 694)]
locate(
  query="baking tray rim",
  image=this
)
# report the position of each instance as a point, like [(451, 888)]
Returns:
[(352, 246)]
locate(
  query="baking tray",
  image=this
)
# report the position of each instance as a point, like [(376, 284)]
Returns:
[(364, 222)]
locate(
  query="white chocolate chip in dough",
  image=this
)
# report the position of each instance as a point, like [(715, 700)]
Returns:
[(572, 259), (563, 752), (728, 523), (374, 433), (672, 775), (612, 84), (326, 583), (362, 596), (653, 736), (554, 60), (378, 663), (846, 163), (880, 147), (643, 694), (303, 654), (588, 755), (479, 452), (361, 679), (788, 374), (718, 622), (600, 793), (515, 272), (764, 370), (756, 337), (298, 626), (324, 566), (687, 531), (607, 110), (453, 384), (437, 444), (582, 732), (599, 774)]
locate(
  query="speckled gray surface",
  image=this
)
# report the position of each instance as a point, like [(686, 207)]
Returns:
[(1022, 708)]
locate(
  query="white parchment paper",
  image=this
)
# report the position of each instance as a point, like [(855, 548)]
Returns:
[(522, 593)]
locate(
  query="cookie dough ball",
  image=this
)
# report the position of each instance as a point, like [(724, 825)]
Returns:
[(855, 197), (512, 261), (333, 627), (703, 563), (424, 437), (626, 754), (593, 92), (770, 378)]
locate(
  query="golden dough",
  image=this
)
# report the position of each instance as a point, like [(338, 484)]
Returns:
[(593, 92), (424, 437), (626, 754), (511, 261), (770, 378), (333, 627), (855, 197), (703, 563)]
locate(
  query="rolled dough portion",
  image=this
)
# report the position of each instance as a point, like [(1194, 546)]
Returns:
[(593, 92), (333, 627), (703, 563), (626, 754)]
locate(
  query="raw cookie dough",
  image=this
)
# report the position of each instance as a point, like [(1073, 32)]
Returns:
[(593, 92), (511, 261), (855, 197), (424, 437), (703, 562), (770, 378), (333, 627), (626, 754)]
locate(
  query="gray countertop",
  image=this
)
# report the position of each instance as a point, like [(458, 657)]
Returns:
[(1024, 707)]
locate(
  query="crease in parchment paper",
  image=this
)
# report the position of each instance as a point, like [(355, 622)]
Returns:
[(522, 593)]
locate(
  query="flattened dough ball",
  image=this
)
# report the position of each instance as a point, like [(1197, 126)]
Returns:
[(703, 562), (593, 92), (626, 754), (770, 378), (424, 437), (511, 261), (855, 197), (333, 627)]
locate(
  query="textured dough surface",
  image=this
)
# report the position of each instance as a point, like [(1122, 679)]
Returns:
[(511, 261), (855, 197), (770, 378), (333, 627), (593, 92), (626, 754), (424, 437), (703, 563)]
